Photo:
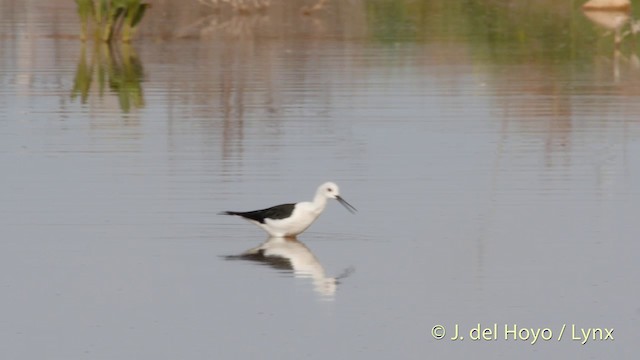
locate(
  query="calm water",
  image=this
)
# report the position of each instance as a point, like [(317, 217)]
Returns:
[(491, 151)]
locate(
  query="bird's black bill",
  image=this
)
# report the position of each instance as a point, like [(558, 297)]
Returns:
[(346, 204)]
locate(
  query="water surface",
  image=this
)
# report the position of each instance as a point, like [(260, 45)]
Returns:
[(490, 150)]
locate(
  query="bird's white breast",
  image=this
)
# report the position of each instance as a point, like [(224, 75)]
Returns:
[(303, 215)]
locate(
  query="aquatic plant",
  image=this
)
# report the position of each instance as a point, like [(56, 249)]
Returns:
[(110, 17)]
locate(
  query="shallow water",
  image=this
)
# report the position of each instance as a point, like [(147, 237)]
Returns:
[(490, 150)]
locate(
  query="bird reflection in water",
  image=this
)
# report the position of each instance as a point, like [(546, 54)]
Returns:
[(290, 254)]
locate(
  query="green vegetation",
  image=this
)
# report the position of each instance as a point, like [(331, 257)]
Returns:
[(109, 18), (497, 31), (116, 67)]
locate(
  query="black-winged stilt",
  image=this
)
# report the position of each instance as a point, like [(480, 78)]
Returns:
[(289, 220)]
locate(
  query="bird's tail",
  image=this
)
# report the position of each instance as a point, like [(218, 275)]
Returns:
[(228, 213)]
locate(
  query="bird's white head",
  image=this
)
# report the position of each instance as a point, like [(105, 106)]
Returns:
[(330, 190)]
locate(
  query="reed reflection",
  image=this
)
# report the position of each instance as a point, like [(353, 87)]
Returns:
[(292, 255), (114, 66)]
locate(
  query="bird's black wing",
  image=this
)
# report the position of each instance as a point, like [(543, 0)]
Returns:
[(275, 212)]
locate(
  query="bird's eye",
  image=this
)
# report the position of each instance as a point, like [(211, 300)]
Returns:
[(329, 189)]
